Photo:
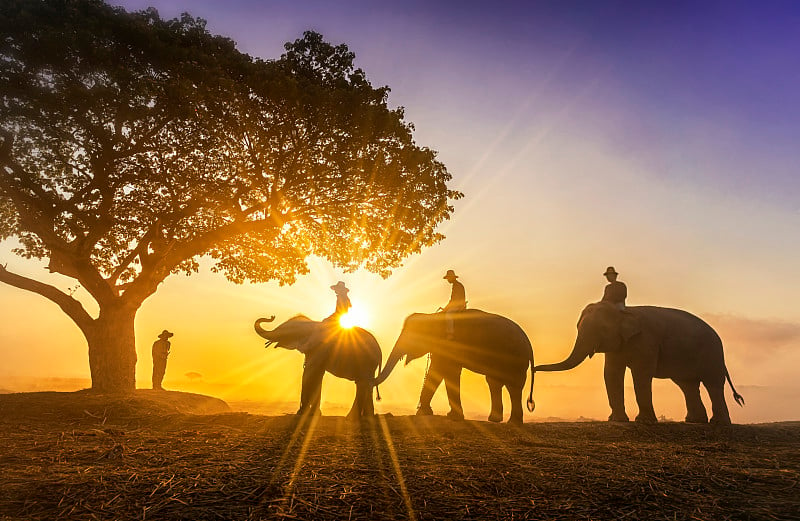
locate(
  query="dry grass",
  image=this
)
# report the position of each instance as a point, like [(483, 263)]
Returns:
[(136, 459)]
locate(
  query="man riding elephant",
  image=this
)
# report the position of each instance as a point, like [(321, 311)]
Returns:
[(458, 301), (330, 325), (343, 304), (315, 348), (615, 291)]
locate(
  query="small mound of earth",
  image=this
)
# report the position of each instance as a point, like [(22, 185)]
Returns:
[(59, 406)]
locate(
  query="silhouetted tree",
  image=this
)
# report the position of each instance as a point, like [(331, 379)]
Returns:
[(130, 146)]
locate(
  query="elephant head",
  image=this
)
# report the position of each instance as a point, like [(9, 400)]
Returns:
[(292, 334), (602, 328), (419, 332)]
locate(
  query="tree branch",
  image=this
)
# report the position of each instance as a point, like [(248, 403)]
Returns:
[(69, 305)]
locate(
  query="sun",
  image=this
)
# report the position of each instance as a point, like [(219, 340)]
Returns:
[(354, 317)]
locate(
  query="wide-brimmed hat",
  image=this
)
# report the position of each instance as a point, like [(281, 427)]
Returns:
[(165, 334), (450, 275), (339, 287), (610, 271)]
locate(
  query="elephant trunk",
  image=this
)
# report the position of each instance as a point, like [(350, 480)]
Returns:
[(394, 357), (579, 353), (264, 333)]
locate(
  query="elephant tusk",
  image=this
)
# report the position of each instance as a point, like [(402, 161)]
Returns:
[(267, 344)]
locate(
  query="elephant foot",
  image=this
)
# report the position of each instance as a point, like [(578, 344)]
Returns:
[(515, 420), (720, 421), (646, 419), (618, 417), (309, 412), (696, 419), (453, 415), (496, 417), (424, 410)]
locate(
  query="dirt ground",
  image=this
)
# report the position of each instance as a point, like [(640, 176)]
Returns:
[(79, 456)]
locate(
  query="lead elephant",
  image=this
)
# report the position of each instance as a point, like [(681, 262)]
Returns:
[(482, 342), (351, 353), (655, 343)]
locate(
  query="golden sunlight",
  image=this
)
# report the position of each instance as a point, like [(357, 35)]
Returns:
[(354, 317)]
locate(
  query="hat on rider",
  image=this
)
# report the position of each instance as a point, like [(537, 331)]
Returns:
[(339, 287), (165, 334), (450, 275), (610, 271)]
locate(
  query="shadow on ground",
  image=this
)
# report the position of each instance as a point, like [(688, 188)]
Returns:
[(80, 456)]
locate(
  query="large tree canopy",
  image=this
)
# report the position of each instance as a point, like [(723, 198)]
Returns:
[(130, 146)]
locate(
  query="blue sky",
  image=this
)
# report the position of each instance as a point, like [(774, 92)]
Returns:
[(728, 70)]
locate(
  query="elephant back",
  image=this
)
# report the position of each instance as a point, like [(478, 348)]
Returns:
[(685, 341), (494, 335), (671, 320), (354, 354)]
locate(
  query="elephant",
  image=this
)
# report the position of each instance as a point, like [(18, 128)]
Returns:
[(482, 342), (654, 342), (351, 353)]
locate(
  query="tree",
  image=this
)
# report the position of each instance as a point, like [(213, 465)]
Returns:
[(131, 146)]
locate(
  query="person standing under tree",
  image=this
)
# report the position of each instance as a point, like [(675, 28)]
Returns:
[(161, 349), (615, 292), (458, 301)]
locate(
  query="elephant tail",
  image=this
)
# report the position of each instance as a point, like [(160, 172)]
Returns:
[(530, 404), (378, 391), (736, 396)]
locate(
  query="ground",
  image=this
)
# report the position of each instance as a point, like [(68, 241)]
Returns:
[(79, 456)]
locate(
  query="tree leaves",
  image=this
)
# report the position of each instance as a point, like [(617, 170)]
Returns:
[(133, 145)]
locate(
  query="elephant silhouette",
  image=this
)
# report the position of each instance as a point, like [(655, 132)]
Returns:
[(654, 342), (482, 342), (352, 353)]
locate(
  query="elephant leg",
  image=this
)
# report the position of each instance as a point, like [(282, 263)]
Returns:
[(643, 387), (355, 410), (719, 409), (432, 380), (614, 375), (496, 390), (695, 410), (311, 391), (515, 392), (366, 403), (452, 383)]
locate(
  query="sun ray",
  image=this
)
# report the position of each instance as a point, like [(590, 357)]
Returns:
[(307, 434), (387, 436), (301, 456), (380, 459)]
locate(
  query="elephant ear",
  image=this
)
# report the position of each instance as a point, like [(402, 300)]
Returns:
[(586, 310), (630, 327)]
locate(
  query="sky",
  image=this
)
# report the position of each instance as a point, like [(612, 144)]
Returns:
[(657, 137)]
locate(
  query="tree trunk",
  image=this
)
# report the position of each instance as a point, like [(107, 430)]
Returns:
[(112, 351)]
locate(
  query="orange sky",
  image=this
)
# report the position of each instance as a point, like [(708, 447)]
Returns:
[(575, 154)]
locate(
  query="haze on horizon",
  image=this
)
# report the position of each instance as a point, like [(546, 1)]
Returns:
[(660, 139)]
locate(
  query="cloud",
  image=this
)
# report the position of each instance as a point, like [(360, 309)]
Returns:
[(766, 336)]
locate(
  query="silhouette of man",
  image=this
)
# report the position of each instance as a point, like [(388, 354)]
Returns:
[(161, 349), (329, 324), (343, 304), (458, 301), (615, 292)]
